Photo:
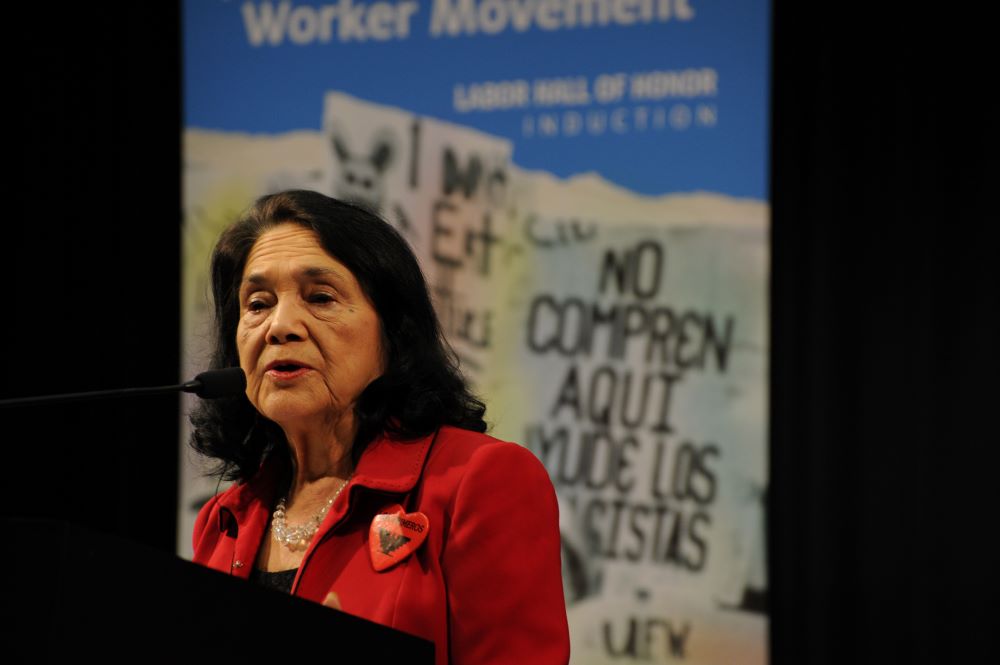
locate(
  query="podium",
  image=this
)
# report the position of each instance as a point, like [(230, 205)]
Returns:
[(72, 593)]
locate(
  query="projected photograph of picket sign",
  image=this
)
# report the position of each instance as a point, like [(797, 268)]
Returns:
[(585, 186)]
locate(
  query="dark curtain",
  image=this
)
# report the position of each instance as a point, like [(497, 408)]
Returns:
[(92, 259), (884, 334)]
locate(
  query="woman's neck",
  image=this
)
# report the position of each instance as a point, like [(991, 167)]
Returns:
[(321, 461), (321, 447)]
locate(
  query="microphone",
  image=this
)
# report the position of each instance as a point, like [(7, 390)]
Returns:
[(212, 384), (217, 383)]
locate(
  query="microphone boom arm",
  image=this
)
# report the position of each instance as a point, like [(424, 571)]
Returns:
[(208, 385)]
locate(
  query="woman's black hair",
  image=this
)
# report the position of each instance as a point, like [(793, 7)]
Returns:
[(422, 387)]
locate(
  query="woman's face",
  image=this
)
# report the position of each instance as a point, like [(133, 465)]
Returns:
[(309, 340)]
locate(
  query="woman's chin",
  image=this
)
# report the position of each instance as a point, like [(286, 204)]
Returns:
[(291, 411)]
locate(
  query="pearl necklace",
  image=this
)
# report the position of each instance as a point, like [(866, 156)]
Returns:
[(298, 537)]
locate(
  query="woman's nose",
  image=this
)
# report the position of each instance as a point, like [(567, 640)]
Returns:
[(287, 323)]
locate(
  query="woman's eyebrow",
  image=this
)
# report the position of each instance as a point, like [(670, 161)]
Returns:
[(316, 271), (255, 279), (320, 271)]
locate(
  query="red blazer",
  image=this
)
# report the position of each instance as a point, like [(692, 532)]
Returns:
[(485, 585)]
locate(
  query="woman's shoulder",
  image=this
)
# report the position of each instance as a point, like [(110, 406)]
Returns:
[(455, 441), (457, 436), (215, 505), (482, 453), (231, 504)]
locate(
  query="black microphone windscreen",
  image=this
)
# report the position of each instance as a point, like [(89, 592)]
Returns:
[(220, 383)]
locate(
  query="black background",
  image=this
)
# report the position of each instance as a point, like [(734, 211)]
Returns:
[(883, 301), (94, 118)]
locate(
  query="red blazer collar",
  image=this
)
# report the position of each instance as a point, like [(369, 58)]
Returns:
[(391, 464), (388, 464)]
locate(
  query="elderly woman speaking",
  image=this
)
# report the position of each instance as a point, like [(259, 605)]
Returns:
[(363, 477)]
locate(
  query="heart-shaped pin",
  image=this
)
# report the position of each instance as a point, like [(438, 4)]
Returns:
[(395, 535)]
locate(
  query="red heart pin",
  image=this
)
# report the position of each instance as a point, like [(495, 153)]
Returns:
[(395, 535)]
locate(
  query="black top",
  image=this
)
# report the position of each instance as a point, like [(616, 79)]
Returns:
[(279, 581)]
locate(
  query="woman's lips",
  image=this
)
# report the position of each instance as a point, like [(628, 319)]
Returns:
[(283, 373)]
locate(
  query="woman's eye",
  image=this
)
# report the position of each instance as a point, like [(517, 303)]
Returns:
[(321, 298), (256, 305)]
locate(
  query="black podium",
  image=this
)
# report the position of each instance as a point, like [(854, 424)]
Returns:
[(72, 594)]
